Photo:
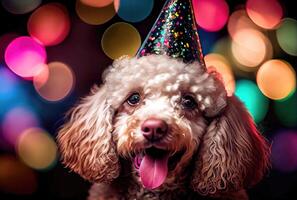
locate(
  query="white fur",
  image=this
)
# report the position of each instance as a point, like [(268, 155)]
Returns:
[(160, 73)]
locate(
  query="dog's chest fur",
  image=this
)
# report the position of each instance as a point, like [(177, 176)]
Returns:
[(132, 191)]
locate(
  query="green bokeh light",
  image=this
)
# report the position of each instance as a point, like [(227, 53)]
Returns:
[(287, 36), (286, 111), (256, 103)]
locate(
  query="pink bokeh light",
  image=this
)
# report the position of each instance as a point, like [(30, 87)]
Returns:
[(15, 122), (25, 56), (265, 13), (211, 15)]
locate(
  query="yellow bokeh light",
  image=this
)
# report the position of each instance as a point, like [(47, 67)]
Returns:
[(250, 47), (55, 82), (222, 66), (37, 149), (94, 15), (276, 79), (120, 39)]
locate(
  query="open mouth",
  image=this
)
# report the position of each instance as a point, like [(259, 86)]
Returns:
[(153, 166)]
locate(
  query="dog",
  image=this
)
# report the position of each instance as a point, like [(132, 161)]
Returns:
[(159, 128)]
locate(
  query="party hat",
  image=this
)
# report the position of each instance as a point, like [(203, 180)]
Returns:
[(174, 33)]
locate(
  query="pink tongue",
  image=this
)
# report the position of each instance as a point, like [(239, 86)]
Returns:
[(153, 171)]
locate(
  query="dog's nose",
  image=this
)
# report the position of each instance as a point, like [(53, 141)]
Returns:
[(154, 129)]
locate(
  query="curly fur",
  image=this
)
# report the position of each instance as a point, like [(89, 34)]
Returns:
[(233, 154), (220, 151), (85, 141)]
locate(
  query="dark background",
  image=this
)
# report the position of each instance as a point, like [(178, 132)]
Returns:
[(88, 61)]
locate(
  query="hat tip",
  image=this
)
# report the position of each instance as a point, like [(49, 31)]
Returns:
[(174, 33)]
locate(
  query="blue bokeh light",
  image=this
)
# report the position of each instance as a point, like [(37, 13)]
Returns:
[(208, 40), (256, 103), (12, 92), (135, 10)]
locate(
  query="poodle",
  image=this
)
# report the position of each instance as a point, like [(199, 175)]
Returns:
[(159, 128)]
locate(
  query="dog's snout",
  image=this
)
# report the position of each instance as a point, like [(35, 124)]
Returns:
[(154, 129)]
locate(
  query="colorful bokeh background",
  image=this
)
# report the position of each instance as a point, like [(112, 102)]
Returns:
[(52, 52)]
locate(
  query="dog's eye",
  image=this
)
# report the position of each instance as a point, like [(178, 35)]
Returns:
[(188, 102), (133, 99)]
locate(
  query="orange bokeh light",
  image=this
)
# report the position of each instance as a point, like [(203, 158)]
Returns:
[(94, 15), (276, 79), (222, 66), (49, 24), (96, 3), (15, 177)]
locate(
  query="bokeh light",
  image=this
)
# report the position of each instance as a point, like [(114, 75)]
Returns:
[(265, 13), (284, 151), (250, 47), (15, 177), (120, 39), (56, 83), (208, 39), (8, 82), (49, 24), (94, 15), (276, 79), (25, 56), (12, 92), (286, 110), (239, 20), (211, 15), (287, 36), (256, 103), (20, 6), (42, 77), (37, 149), (16, 121), (222, 66), (223, 47), (134, 10), (96, 3)]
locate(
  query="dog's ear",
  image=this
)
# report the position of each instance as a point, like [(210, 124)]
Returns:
[(85, 141), (233, 154)]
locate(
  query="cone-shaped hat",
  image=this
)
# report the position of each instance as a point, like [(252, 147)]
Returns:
[(174, 33)]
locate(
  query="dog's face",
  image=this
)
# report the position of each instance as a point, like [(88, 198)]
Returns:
[(162, 115), (160, 121), (159, 132)]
